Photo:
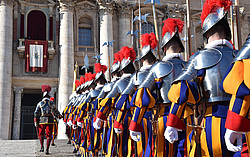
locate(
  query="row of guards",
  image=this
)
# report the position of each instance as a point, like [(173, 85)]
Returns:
[(168, 107)]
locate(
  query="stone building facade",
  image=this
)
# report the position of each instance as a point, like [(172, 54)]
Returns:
[(73, 28)]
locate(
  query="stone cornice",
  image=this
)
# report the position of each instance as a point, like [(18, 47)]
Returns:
[(106, 6), (67, 5), (85, 6), (175, 10)]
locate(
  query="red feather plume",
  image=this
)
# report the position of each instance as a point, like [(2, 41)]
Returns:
[(128, 52), (149, 39), (46, 88), (210, 6), (117, 57), (52, 99), (77, 83), (86, 77), (99, 68), (82, 80), (170, 25), (91, 76)]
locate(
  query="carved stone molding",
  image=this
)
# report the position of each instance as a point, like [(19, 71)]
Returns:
[(124, 9), (106, 6), (18, 90), (7, 2), (67, 5), (175, 11), (85, 6)]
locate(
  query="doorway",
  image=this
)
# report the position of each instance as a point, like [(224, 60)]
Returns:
[(28, 106), (36, 29)]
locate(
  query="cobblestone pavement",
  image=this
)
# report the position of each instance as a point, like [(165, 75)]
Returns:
[(17, 148)]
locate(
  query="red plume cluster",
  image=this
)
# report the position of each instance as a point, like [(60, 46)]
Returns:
[(170, 25), (86, 77), (210, 6), (77, 83), (149, 39), (99, 68), (91, 76), (46, 88), (127, 52), (82, 80), (118, 57)]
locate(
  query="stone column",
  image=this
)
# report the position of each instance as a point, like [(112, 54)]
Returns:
[(17, 113), (106, 34), (6, 40), (124, 24), (66, 59)]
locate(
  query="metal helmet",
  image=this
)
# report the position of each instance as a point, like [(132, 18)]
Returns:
[(100, 70), (115, 67), (149, 43), (170, 31), (129, 56), (214, 12)]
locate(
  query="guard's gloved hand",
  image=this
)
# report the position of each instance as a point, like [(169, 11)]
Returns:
[(171, 134), (118, 131), (74, 126), (69, 123), (79, 124), (232, 136), (97, 123), (135, 135), (36, 125)]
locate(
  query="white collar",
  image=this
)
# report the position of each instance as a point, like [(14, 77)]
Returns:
[(98, 86), (114, 79), (145, 67), (44, 99), (171, 56), (219, 43), (124, 75)]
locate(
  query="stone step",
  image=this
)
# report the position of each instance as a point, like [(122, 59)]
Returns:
[(14, 148)]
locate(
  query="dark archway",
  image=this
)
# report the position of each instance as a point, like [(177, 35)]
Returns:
[(36, 29)]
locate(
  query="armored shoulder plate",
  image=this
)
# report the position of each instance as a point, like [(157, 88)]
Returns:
[(131, 86), (244, 53), (122, 84), (161, 69), (94, 93), (107, 87), (207, 58), (140, 76)]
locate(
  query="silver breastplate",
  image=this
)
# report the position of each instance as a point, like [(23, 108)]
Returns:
[(214, 76), (118, 87)]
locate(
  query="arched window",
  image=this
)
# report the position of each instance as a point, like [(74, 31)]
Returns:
[(36, 28), (85, 32), (147, 28)]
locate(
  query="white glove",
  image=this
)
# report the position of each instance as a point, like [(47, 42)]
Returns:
[(74, 126), (69, 123), (230, 137), (118, 131), (79, 124), (135, 135), (171, 134), (97, 123), (35, 124)]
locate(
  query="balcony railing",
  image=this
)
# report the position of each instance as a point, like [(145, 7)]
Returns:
[(21, 48), (80, 48)]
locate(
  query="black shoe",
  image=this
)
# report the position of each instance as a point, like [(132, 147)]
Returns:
[(69, 142), (42, 149), (53, 144), (77, 155), (47, 152), (74, 151)]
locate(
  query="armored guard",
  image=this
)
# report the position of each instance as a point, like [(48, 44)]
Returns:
[(107, 104), (148, 58), (236, 82), (43, 117), (159, 80), (199, 84)]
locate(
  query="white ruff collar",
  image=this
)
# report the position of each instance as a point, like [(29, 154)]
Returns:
[(44, 99), (125, 75), (171, 56), (219, 43), (145, 67)]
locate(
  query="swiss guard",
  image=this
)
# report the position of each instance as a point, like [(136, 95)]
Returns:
[(198, 86), (43, 118), (236, 83), (158, 81)]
